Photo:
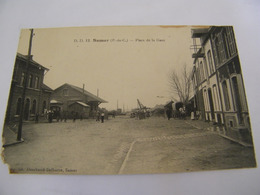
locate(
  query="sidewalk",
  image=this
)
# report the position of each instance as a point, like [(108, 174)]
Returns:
[(240, 137), (10, 132), (10, 135)]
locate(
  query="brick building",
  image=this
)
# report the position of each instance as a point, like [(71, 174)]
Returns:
[(37, 95)]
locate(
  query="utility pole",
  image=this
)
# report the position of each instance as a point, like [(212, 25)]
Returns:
[(20, 125)]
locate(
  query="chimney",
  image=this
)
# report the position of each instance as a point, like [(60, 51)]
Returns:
[(83, 91), (31, 57)]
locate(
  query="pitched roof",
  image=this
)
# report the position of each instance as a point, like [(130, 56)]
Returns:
[(45, 87), (96, 98), (32, 62)]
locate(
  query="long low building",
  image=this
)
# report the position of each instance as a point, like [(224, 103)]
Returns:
[(72, 101)]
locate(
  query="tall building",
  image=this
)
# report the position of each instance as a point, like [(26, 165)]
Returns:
[(37, 95), (217, 78)]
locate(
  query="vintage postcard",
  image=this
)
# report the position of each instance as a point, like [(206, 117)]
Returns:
[(127, 100)]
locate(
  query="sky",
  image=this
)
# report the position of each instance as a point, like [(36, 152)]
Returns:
[(123, 63)]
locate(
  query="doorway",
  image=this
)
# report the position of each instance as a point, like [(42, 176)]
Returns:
[(211, 104)]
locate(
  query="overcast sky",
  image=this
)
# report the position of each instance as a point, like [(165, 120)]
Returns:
[(130, 63)]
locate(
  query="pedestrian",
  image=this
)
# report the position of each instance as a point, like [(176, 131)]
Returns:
[(65, 116), (37, 117), (58, 116), (168, 113), (192, 116), (50, 116), (182, 113), (113, 114), (98, 116), (61, 116), (102, 117), (74, 117)]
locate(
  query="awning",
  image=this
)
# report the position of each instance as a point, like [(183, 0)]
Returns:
[(55, 102), (83, 104)]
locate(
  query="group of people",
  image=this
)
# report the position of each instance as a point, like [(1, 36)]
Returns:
[(60, 116), (100, 116), (180, 113), (63, 116)]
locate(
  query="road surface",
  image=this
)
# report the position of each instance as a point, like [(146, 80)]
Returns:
[(124, 146)]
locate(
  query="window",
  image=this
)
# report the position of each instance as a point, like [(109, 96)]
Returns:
[(202, 71), (43, 106), (231, 68), (198, 76), (230, 41), (215, 94), (211, 68), (226, 96), (36, 83), (65, 92), (18, 106), (221, 48), (194, 79), (206, 104), (30, 81), (215, 51), (206, 67), (237, 98), (22, 79), (34, 107)]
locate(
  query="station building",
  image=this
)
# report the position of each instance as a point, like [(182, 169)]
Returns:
[(74, 101), (37, 94)]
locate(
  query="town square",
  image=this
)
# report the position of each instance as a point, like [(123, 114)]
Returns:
[(163, 100)]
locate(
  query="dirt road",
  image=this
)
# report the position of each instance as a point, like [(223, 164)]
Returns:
[(123, 146)]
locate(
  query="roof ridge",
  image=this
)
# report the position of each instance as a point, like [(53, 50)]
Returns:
[(86, 92), (24, 57)]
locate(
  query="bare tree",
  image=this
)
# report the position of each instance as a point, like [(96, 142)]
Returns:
[(181, 84)]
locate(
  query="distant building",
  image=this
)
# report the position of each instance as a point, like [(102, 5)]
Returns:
[(217, 78), (37, 96), (75, 101)]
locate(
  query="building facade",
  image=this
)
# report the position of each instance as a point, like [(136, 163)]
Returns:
[(72, 100), (217, 78), (37, 94)]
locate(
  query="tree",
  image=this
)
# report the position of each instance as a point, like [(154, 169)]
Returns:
[(180, 84)]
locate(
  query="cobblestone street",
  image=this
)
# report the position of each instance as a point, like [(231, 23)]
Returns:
[(124, 146)]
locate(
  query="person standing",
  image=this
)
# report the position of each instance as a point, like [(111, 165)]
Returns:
[(168, 113), (50, 116), (102, 117), (37, 117), (98, 116), (74, 116)]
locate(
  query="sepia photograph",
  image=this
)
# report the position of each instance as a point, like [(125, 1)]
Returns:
[(120, 100)]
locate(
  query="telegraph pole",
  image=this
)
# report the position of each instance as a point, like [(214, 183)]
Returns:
[(20, 125)]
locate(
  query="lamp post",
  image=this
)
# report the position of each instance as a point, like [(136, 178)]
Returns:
[(20, 125)]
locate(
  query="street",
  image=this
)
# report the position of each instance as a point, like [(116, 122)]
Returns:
[(124, 145)]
